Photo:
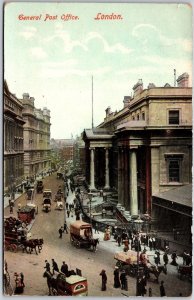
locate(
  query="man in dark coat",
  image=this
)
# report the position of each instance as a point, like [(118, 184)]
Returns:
[(165, 258), (64, 268), (60, 232), (65, 227), (174, 257), (104, 280), (117, 283), (162, 289), (47, 267), (55, 266), (123, 280)]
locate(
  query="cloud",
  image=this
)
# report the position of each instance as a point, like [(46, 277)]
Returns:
[(107, 48), (147, 32), (38, 52), (28, 32)]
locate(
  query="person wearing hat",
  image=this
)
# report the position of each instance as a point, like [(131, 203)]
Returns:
[(117, 282), (123, 280), (104, 280), (162, 289)]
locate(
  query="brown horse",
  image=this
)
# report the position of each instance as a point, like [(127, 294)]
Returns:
[(93, 243), (156, 271)]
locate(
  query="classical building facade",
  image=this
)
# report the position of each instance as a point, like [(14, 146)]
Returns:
[(13, 141), (36, 137), (145, 149)]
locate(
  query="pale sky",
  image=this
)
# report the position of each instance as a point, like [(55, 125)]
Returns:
[(54, 60)]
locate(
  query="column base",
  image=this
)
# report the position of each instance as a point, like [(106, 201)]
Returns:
[(106, 188)]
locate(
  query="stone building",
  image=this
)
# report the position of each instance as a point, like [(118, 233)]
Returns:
[(13, 141), (145, 149), (36, 137)]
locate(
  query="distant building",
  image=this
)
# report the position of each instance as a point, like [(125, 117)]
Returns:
[(13, 141), (65, 150), (36, 137)]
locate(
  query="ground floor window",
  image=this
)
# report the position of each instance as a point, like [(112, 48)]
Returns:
[(174, 166)]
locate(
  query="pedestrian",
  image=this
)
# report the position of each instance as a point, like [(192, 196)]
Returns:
[(64, 269), (55, 266), (11, 209), (65, 227), (19, 206), (60, 232), (174, 257), (150, 292), (96, 228), (119, 240), (123, 280), (162, 289), (104, 280), (47, 267), (165, 258), (67, 205), (157, 258), (117, 283), (68, 213), (22, 279)]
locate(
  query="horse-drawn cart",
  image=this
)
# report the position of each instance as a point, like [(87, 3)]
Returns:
[(127, 261), (60, 285), (81, 235)]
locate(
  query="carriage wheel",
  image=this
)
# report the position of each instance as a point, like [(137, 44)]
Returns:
[(77, 244), (13, 247)]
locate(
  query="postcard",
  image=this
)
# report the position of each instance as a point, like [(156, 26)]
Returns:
[(97, 195)]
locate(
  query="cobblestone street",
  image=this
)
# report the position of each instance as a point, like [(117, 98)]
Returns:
[(46, 226)]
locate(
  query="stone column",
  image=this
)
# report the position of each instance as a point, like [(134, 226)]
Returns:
[(119, 175), (107, 186), (122, 177), (92, 186), (133, 183), (126, 182)]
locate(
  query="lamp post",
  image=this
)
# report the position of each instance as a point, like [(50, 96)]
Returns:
[(12, 187), (138, 225), (90, 202)]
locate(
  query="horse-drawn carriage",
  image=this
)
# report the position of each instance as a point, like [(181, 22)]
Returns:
[(15, 237), (185, 272), (128, 261), (59, 205), (81, 235), (39, 186), (60, 285), (47, 198)]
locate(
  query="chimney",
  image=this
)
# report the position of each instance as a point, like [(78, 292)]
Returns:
[(151, 86), (138, 87), (108, 111), (183, 80), (126, 100), (26, 96)]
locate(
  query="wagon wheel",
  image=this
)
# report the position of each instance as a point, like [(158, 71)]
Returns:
[(13, 247), (77, 244)]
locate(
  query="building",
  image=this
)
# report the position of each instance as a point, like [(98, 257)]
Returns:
[(145, 149), (13, 141), (36, 137), (79, 154)]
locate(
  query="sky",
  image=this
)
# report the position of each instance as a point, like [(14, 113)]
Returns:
[(54, 59)]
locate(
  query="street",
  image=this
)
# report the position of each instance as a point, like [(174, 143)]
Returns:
[(46, 226)]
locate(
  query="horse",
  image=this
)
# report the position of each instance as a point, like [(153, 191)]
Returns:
[(52, 283), (39, 243), (94, 243), (156, 271), (31, 245)]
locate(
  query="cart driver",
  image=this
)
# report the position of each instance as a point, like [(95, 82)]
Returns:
[(87, 233)]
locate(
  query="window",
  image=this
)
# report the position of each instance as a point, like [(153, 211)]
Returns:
[(138, 117), (143, 116), (174, 163), (174, 117)]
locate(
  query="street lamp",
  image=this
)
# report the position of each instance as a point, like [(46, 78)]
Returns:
[(138, 224), (90, 195)]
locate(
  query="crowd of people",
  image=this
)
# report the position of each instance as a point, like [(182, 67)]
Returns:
[(53, 268)]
